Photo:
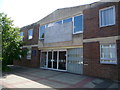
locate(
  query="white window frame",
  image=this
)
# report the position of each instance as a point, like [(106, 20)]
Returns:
[(105, 60), (28, 34), (113, 17), (29, 55), (82, 26)]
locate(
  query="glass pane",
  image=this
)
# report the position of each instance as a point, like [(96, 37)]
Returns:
[(42, 30), (62, 60), (30, 32), (49, 59), (107, 16), (108, 51), (29, 53), (43, 59), (55, 60), (67, 20), (59, 22), (21, 33), (78, 23)]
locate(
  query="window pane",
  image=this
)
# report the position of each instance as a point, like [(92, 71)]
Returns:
[(108, 54), (50, 24), (42, 30), (29, 53), (30, 32), (21, 33), (78, 23), (67, 20), (107, 16), (59, 22)]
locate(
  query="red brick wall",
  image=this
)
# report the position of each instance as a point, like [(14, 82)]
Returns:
[(35, 38), (119, 19), (91, 54), (91, 22), (118, 56), (33, 62)]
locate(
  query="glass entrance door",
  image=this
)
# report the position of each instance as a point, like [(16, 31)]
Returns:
[(62, 60), (49, 59), (43, 59), (55, 59)]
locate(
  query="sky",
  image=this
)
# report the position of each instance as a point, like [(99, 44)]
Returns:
[(25, 12)]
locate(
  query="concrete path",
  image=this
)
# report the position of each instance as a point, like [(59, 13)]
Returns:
[(22, 77)]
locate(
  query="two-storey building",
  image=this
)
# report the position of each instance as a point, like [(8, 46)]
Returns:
[(83, 40)]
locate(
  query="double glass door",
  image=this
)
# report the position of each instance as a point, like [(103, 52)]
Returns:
[(54, 60)]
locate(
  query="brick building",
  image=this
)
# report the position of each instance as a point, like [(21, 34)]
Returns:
[(83, 40)]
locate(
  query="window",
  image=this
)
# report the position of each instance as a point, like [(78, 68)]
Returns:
[(67, 20), (59, 22), (29, 53), (30, 33), (41, 32), (108, 54), (107, 16), (21, 35), (50, 25), (78, 24)]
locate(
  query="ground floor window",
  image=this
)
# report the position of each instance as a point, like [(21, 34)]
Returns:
[(29, 53), (108, 54)]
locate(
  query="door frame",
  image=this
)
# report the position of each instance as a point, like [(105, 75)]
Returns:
[(52, 59)]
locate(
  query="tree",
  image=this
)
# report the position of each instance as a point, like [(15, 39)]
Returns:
[(11, 41)]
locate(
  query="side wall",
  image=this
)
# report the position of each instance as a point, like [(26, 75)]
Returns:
[(35, 37), (118, 56), (91, 23), (33, 62), (93, 36), (92, 64)]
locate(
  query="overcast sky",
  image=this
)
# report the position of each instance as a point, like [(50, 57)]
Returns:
[(25, 12)]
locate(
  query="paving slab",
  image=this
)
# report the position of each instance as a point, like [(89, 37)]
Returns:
[(53, 84), (68, 78), (89, 85), (22, 77)]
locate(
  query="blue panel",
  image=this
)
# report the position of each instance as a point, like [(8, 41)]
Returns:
[(59, 22), (42, 30), (78, 23), (67, 20)]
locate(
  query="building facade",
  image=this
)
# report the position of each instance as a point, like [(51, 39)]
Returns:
[(83, 40), (101, 42)]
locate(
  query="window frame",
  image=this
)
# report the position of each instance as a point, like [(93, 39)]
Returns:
[(44, 31), (28, 34), (101, 58), (27, 57), (100, 22), (82, 26)]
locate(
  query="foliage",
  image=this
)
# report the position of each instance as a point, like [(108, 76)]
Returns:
[(11, 41)]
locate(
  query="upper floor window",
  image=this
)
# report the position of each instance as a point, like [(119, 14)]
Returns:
[(107, 16), (67, 20), (21, 35), (41, 32), (78, 24), (59, 22), (108, 54), (30, 34)]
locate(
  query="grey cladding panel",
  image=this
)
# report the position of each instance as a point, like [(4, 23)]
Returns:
[(75, 60), (59, 33)]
